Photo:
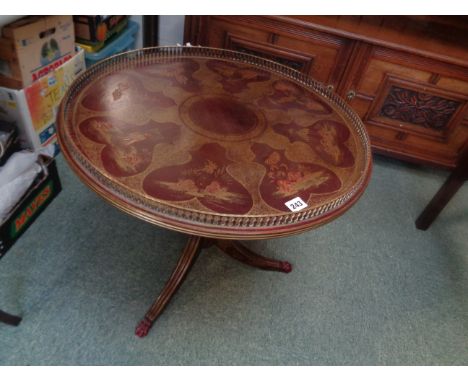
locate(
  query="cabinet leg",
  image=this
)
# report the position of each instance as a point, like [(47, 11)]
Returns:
[(445, 193), (187, 258), (439, 201)]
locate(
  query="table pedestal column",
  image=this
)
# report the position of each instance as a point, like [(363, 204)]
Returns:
[(186, 260)]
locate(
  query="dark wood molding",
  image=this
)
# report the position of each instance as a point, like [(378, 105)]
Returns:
[(421, 62), (288, 57), (356, 64), (404, 153), (270, 24), (195, 30), (371, 29), (150, 31), (364, 97)]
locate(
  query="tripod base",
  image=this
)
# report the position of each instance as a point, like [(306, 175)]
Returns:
[(186, 260)]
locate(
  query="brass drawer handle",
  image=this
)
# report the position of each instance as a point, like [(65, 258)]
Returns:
[(350, 95)]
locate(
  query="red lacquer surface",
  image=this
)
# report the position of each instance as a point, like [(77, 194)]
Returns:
[(128, 148), (285, 179), (326, 137), (115, 91), (204, 177), (211, 136)]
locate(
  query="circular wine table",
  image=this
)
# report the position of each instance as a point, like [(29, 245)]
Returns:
[(216, 144)]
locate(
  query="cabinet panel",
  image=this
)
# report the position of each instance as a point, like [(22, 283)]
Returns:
[(218, 28), (411, 110), (412, 95), (453, 84), (325, 52), (320, 55), (377, 69)]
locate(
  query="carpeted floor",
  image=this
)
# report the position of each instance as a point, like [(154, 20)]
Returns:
[(366, 289)]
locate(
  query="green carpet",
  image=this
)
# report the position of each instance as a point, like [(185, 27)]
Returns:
[(366, 289)]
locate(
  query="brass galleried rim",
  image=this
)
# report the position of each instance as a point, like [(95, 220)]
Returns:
[(198, 222)]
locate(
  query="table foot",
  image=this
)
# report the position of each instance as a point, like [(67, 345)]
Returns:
[(241, 253), (143, 327), (286, 266), (187, 258), (9, 319)]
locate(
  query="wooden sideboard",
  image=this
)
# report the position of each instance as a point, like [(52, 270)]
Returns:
[(406, 76)]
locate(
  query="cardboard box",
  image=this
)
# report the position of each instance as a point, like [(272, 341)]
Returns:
[(32, 47), (98, 29), (34, 108), (44, 189)]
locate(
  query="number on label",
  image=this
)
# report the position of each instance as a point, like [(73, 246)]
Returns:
[(296, 204)]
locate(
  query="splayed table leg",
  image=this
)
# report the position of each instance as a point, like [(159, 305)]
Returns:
[(191, 250), (246, 256), (9, 319)]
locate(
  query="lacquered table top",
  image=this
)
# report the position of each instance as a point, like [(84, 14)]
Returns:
[(213, 142)]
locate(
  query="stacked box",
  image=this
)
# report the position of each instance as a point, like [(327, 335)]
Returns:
[(32, 47), (34, 108), (125, 41)]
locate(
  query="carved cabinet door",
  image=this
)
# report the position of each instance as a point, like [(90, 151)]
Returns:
[(413, 107)]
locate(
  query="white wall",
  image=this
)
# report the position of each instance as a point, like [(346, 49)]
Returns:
[(171, 30)]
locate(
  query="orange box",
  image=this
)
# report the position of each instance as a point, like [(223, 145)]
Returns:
[(98, 29), (32, 47)]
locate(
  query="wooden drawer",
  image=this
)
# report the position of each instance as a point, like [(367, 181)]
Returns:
[(413, 107), (318, 54)]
